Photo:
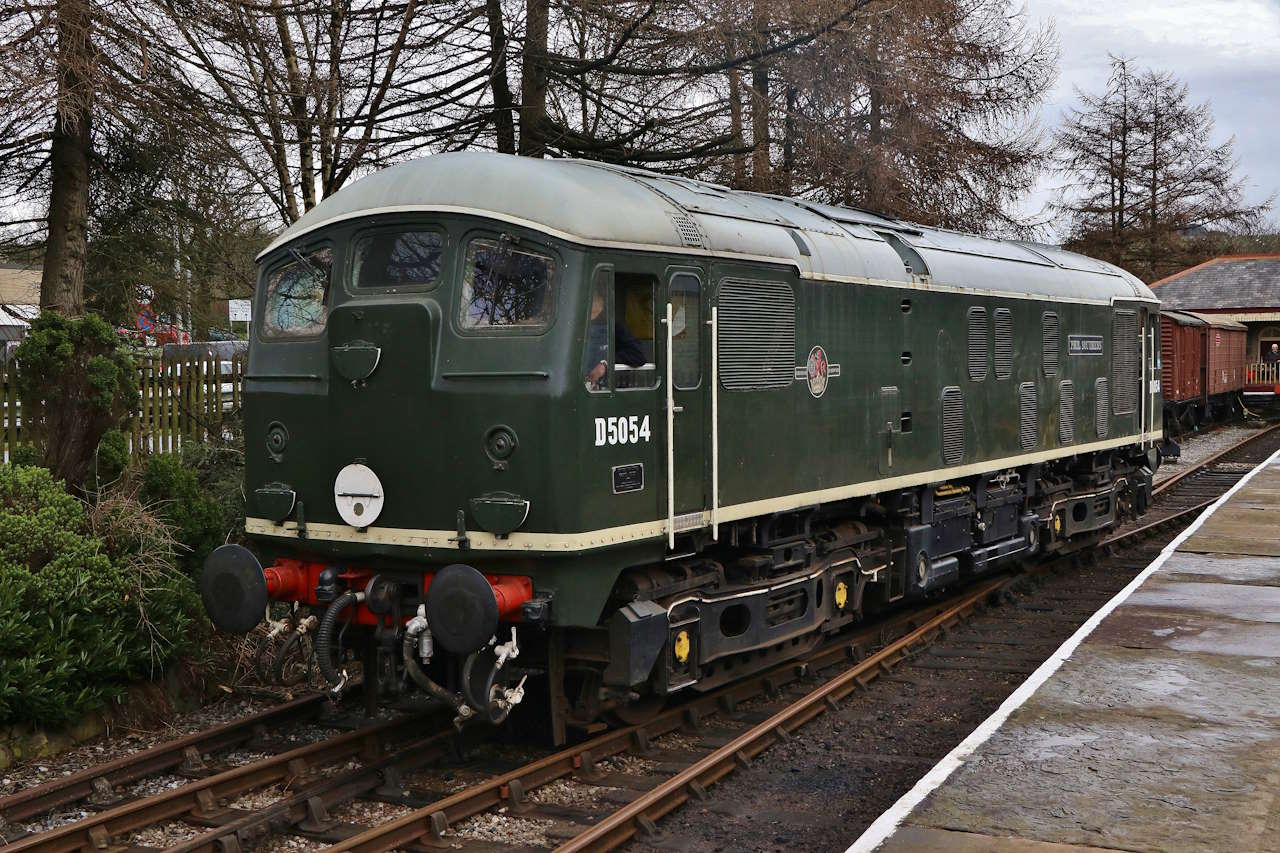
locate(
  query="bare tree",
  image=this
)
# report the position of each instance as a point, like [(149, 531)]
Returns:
[(304, 94), (923, 109), (55, 56), (1145, 181)]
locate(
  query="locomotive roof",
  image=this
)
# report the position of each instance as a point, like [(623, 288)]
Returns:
[(607, 205)]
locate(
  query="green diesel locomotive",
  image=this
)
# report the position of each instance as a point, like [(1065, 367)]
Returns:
[(629, 434)]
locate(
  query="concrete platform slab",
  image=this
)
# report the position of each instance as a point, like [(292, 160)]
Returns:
[(1156, 728)]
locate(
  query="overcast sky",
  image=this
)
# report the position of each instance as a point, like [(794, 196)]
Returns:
[(1226, 51)]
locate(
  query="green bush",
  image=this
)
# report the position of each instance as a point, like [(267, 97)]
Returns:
[(76, 382), (113, 457), (90, 599), (199, 493)]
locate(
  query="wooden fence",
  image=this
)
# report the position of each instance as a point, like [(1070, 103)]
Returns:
[(186, 397)]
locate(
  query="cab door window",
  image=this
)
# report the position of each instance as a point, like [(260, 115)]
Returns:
[(686, 330), (621, 333)]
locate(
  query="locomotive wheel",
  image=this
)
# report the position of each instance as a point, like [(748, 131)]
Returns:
[(639, 712)]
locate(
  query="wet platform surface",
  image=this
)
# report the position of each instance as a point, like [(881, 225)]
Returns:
[(1161, 732)]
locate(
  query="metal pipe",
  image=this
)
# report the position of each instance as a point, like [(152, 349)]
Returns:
[(324, 637), (416, 628)]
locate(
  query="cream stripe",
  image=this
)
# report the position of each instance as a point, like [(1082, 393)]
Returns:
[(571, 542)]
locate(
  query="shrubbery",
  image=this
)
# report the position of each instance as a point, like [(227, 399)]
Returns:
[(77, 382), (90, 598), (199, 493)]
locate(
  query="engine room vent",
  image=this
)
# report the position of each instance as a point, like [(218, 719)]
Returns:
[(1102, 407), (1050, 343), (977, 344), (756, 343), (1004, 343), (688, 230), (952, 425), (1028, 415), (1067, 413), (1125, 356)]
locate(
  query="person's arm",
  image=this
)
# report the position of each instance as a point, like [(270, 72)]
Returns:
[(626, 348)]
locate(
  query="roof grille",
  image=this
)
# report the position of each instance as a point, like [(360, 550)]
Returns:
[(1125, 355), (1102, 407), (1067, 413), (977, 344), (756, 339), (690, 235), (952, 425), (1049, 343), (1004, 343), (1028, 415)]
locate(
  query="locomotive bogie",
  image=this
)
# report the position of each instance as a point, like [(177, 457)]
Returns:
[(656, 434)]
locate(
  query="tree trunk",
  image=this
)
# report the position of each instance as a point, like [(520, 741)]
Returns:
[(788, 143), (503, 122), (62, 280), (533, 80), (735, 129), (760, 177)]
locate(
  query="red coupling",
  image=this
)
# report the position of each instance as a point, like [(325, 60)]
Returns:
[(287, 580), (511, 591)]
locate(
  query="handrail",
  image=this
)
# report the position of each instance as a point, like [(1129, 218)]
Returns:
[(671, 436), (715, 427), (1260, 373)]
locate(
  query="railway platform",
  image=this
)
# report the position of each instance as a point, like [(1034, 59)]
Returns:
[(1156, 727)]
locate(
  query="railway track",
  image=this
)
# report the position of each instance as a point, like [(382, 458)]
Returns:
[(425, 791)]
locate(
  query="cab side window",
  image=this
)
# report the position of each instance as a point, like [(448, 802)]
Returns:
[(505, 286)]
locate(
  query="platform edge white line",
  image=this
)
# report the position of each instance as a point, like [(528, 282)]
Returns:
[(885, 825)]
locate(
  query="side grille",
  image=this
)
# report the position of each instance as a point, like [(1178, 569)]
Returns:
[(757, 335), (1067, 413), (1004, 343), (977, 344), (1125, 356), (952, 425), (1049, 343), (688, 230), (1028, 415), (1102, 407)]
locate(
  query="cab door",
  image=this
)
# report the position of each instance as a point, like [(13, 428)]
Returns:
[(686, 378)]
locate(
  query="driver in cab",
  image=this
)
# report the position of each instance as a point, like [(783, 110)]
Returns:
[(627, 349)]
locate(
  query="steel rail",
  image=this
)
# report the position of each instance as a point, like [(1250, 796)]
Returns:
[(80, 785), (434, 819), (201, 795), (1165, 485), (642, 812)]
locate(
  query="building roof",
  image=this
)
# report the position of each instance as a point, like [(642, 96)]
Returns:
[(19, 284), (1232, 281), (1191, 318), (598, 204)]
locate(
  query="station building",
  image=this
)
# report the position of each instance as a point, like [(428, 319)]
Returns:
[(1243, 288)]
